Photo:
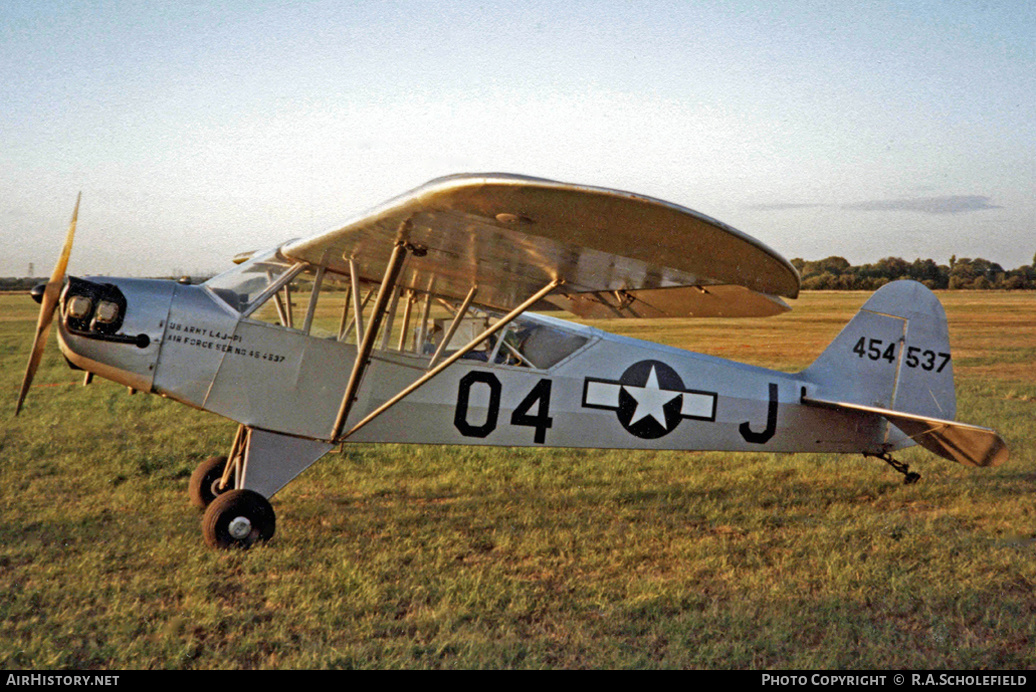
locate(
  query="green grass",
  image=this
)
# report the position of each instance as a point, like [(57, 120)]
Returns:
[(409, 556)]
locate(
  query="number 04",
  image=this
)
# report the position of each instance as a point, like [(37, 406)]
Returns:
[(523, 416)]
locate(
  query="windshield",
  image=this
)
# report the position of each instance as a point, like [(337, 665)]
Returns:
[(241, 286)]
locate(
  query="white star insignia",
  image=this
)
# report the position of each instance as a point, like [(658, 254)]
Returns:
[(651, 400)]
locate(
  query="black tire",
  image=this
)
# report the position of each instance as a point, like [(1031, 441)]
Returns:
[(204, 485), (238, 519)]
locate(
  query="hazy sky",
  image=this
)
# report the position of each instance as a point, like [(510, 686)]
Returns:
[(197, 130)]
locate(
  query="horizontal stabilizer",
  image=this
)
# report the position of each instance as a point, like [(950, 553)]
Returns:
[(968, 444)]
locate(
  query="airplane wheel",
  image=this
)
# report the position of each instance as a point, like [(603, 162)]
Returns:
[(204, 485), (238, 519)]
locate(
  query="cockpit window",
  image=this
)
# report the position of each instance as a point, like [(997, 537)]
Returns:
[(526, 342), (241, 286), (543, 346)]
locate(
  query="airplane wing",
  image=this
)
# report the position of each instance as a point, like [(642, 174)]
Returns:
[(619, 254), (967, 444)]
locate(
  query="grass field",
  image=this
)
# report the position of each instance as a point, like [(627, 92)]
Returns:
[(406, 556)]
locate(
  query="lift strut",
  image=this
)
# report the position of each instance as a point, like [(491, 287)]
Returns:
[(388, 285)]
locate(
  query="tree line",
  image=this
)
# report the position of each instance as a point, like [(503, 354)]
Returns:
[(836, 274)]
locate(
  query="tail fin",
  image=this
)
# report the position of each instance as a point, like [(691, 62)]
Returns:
[(893, 359), (894, 354)]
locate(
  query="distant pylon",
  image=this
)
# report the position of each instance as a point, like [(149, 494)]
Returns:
[(32, 270)]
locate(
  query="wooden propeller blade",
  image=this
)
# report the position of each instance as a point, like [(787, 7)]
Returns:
[(48, 306)]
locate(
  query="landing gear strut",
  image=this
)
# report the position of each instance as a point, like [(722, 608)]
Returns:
[(909, 477)]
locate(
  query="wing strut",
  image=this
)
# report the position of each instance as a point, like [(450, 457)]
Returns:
[(354, 284), (343, 333), (363, 353), (461, 311), (407, 307), (503, 322)]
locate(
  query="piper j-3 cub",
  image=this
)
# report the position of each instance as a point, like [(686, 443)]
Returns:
[(482, 252)]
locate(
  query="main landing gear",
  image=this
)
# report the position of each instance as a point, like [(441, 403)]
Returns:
[(234, 490), (238, 519), (909, 477), (233, 518)]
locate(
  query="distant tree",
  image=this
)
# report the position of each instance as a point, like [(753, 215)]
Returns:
[(873, 283), (967, 270), (927, 271), (891, 268), (820, 282), (1015, 282), (847, 282), (835, 265), (990, 269)]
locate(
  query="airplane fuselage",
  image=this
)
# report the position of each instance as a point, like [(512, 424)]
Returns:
[(609, 392)]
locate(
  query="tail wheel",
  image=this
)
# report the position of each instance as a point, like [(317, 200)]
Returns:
[(204, 485), (238, 519)]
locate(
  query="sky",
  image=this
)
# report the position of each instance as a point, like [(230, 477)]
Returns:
[(198, 130)]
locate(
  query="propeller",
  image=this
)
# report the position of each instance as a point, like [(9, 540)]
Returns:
[(48, 305)]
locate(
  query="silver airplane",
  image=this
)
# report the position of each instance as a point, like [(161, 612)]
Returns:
[(484, 252)]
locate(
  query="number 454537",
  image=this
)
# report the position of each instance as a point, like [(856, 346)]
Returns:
[(916, 357)]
